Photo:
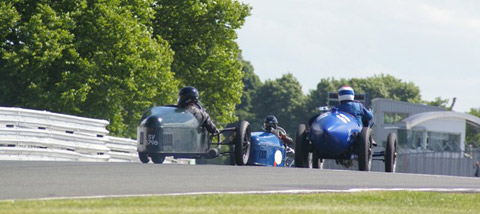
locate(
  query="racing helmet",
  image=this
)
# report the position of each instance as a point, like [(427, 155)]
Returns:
[(270, 123), (187, 95), (346, 93)]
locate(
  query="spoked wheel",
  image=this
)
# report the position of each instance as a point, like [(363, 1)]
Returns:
[(143, 157), (317, 163), (157, 158), (391, 153), (364, 151), (301, 150), (242, 143), (289, 157)]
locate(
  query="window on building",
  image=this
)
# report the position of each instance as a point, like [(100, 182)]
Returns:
[(443, 142), (429, 141), (393, 117)]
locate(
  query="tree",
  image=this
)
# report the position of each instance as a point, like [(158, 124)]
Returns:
[(472, 132), (202, 35), (283, 98), (378, 86), (438, 101), (251, 84), (8, 17), (93, 59)]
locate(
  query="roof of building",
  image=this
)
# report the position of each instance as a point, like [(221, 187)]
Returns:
[(426, 116), (387, 105)]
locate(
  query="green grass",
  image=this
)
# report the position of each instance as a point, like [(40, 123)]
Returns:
[(362, 202)]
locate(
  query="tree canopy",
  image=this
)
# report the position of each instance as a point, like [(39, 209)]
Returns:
[(378, 86), (473, 133), (202, 35), (113, 59), (251, 84), (283, 98)]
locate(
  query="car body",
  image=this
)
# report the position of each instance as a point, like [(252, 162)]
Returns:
[(333, 134), (267, 150)]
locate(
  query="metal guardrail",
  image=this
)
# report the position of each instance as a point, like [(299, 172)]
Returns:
[(27, 134)]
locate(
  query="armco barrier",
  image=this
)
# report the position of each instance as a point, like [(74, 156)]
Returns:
[(27, 134)]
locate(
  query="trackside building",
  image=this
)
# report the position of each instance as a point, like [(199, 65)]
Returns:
[(431, 140), (421, 128)]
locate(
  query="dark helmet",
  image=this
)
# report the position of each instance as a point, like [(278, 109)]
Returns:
[(187, 95), (270, 123)]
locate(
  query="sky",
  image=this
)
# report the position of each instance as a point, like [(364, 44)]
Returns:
[(434, 44)]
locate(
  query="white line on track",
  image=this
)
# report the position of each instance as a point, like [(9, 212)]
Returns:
[(442, 190)]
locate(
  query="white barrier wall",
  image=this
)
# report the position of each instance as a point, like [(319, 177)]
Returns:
[(27, 134)]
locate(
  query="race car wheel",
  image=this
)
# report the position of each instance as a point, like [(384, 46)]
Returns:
[(364, 151), (157, 158), (391, 153), (231, 158), (143, 157), (301, 152), (242, 143), (317, 163)]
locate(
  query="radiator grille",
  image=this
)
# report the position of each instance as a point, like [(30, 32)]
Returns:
[(167, 139), (263, 154)]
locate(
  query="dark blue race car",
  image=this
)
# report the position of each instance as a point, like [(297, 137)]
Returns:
[(338, 135)]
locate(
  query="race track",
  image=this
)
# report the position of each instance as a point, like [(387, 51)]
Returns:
[(42, 179)]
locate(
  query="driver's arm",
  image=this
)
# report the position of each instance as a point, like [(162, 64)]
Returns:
[(208, 123), (366, 116), (284, 137)]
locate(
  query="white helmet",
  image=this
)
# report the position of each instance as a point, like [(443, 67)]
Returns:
[(346, 93)]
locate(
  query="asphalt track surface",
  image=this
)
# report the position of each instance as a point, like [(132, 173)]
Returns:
[(44, 179)]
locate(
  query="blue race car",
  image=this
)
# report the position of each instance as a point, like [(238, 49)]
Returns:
[(338, 135), (171, 131), (267, 150)]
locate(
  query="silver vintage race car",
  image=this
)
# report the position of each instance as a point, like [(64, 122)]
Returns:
[(171, 131)]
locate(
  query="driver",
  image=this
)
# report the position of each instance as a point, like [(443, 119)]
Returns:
[(271, 125), (347, 104), (188, 100)]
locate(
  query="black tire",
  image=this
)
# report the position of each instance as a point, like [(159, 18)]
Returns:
[(364, 153), (391, 153), (317, 163), (231, 157), (301, 151), (157, 158), (143, 157), (242, 143)]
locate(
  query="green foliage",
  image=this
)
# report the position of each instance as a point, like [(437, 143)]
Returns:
[(202, 35), (283, 98), (113, 59), (94, 59), (251, 84), (378, 86), (8, 19), (438, 101), (473, 133)]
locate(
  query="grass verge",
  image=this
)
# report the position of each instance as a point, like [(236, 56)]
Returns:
[(362, 202)]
